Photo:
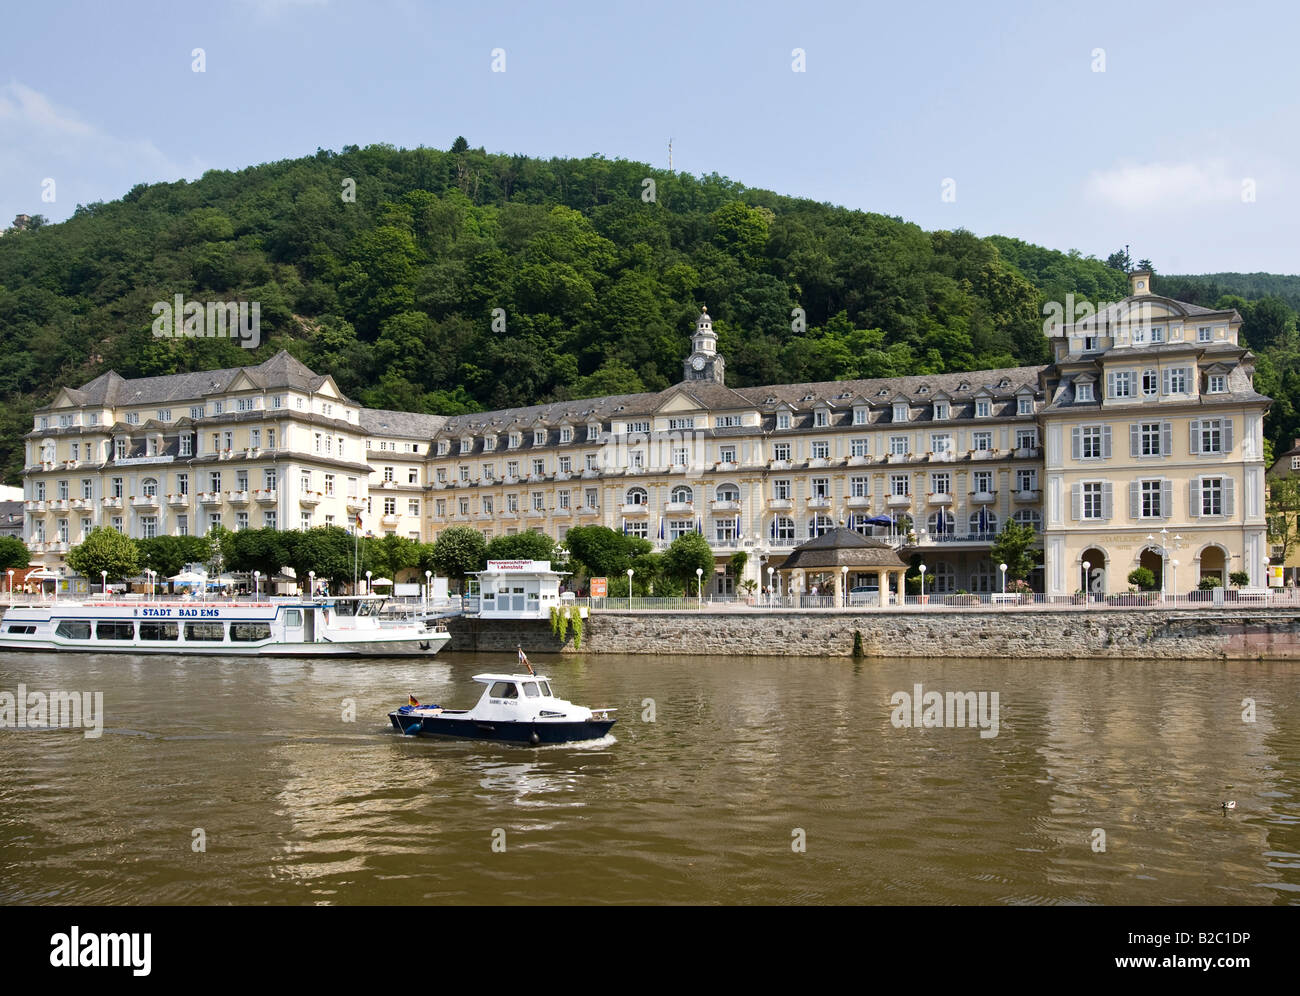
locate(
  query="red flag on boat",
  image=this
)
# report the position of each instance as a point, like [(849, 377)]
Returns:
[(412, 700), (523, 659)]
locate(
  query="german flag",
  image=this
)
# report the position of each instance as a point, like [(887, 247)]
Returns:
[(411, 700)]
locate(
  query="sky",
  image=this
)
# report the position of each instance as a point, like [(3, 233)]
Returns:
[(1167, 127)]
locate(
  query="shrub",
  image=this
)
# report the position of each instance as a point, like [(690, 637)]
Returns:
[(1239, 578), (1143, 578), (1209, 584)]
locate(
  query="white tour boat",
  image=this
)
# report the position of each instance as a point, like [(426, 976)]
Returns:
[(326, 627)]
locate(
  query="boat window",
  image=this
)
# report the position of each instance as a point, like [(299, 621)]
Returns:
[(293, 617), (72, 629), (248, 632), (31, 628), (545, 687), (154, 630), (505, 690), (206, 632), (530, 689), (345, 608), (115, 630)]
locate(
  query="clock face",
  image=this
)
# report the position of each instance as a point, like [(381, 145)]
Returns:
[(698, 363)]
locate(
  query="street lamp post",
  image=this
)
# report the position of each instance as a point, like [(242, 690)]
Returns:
[(1086, 565), (311, 584), (103, 583), (367, 582), (923, 569), (1174, 564), (428, 589), (771, 592), (1003, 569), (11, 586), (257, 577), (629, 587), (844, 583), (699, 587)]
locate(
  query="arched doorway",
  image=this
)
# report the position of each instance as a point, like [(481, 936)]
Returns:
[(1153, 562), (1096, 578), (1214, 564)]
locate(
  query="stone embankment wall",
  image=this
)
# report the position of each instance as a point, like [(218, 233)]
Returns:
[(1218, 634)]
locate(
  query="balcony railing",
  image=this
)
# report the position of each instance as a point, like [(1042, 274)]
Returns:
[(940, 498), (267, 496), (898, 501), (983, 497), (209, 497), (238, 497), (635, 509), (1028, 496)]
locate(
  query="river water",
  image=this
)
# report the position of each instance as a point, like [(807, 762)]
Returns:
[(726, 780)]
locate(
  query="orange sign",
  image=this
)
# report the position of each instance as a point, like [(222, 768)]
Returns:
[(599, 587)]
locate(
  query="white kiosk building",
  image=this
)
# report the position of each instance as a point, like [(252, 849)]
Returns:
[(517, 589)]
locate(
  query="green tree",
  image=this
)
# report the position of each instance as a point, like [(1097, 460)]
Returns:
[(457, 552), (1283, 515), (685, 554), (328, 552), (528, 545), (263, 550), (1014, 546), (392, 554), (604, 552), (1142, 578), (13, 553), (168, 555), (105, 549)]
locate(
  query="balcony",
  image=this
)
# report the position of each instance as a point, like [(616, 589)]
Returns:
[(983, 497), (943, 456), (83, 503), (984, 454), (393, 519), (589, 510), (679, 507), (860, 501), (563, 475), (144, 501), (727, 466), (1026, 452), (309, 498), (59, 504), (510, 479), (562, 511), (591, 472), (238, 497), (816, 463), (34, 505), (267, 496), (355, 504), (178, 500), (779, 503), (509, 513), (859, 461), (209, 497), (58, 546), (113, 502), (780, 465), (725, 505), (1027, 496), (635, 509), (534, 513), (898, 501), (939, 498), (819, 501)]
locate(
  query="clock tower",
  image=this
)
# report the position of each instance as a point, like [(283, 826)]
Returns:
[(704, 363)]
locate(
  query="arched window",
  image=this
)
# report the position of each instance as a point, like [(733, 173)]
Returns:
[(728, 492), (782, 529), (820, 524), (941, 523), (637, 496), (859, 524), (682, 495), (1029, 517), (149, 487), (984, 522)]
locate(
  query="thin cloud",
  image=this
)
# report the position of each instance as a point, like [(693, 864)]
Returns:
[(1155, 186)]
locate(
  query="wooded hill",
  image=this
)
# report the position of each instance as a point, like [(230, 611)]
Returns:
[(597, 273)]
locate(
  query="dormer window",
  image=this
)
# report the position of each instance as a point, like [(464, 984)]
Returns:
[(940, 410), (593, 431), (539, 437), (819, 417), (516, 440), (566, 435), (983, 408), (900, 412), (1157, 333), (444, 447), (1216, 384), (1204, 333), (783, 420), (681, 423), (466, 444), (860, 415), (489, 443), (1083, 392), (1024, 406)]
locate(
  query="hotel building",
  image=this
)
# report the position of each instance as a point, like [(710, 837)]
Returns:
[(1145, 427)]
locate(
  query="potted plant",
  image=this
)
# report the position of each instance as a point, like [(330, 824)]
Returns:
[(1239, 579)]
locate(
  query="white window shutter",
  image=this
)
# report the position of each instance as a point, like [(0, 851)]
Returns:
[(1135, 499), (1227, 435), (1134, 439), (1195, 442), (1076, 443), (1105, 442), (1110, 385), (1076, 502), (1166, 499), (1107, 501), (1164, 381), (1194, 496), (1166, 439), (1228, 486)]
